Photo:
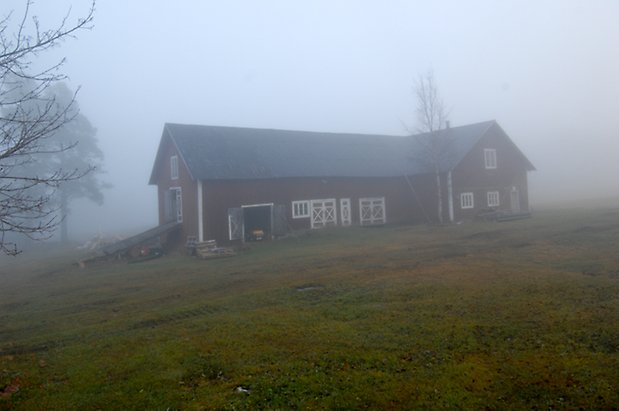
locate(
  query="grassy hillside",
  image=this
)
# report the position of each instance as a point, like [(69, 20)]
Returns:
[(522, 314)]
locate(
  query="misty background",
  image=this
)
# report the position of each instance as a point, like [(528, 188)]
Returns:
[(547, 71)]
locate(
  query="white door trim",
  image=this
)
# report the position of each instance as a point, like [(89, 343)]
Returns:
[(345, 212), (200, 213)]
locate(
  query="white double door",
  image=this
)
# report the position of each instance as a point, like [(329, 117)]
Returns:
[(324, 213)]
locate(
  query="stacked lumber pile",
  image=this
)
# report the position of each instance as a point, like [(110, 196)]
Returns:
[(208, 249)]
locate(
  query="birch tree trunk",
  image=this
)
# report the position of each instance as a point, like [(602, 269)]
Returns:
[(439, 197)]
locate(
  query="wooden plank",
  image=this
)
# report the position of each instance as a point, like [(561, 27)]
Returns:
[(140, 238)]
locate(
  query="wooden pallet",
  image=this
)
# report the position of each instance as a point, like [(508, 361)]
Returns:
[(208, 249)]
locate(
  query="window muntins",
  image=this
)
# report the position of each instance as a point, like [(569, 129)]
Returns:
[(324, 213), (493, 199), (301, 209), (372, 211), (467, 200), (490, 158), (174, 167)]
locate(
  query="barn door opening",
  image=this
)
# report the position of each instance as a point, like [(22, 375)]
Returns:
[(257, 222), (323, 213)]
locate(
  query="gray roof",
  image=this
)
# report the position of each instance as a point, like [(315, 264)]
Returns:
[(215, 152)]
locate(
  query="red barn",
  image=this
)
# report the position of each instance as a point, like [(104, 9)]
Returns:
[(231, 183)]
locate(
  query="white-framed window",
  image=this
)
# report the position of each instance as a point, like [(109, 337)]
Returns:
[(490, 158), (467, 200), (300, 209), (372, 211), (174, 167), (493, 198)]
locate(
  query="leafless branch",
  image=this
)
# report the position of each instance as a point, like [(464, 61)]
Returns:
[(29, 117), (433, 145)]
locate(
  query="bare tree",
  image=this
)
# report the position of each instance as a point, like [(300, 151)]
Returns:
[(86, 155), (432, 118), (29, 115)]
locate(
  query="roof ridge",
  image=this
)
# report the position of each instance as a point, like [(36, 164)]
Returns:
[(225, 152), (283, 130)]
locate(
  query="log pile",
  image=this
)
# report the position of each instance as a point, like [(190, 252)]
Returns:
[(208, 249)]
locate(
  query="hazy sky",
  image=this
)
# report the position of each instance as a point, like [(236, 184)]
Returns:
[(547, 71)]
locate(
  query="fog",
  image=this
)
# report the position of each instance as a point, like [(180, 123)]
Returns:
[(545, 70)]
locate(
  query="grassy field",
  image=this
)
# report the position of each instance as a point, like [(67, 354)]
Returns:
[(515, 315)]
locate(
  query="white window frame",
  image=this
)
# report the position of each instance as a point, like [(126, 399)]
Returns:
[(301, 209), (467, 200), (345, 212), (493, 199), (174, 167), (490, 158), (372, 218), (179, 203)]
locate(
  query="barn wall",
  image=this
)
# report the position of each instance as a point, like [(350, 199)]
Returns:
[(429, 195), (189, 193), (401, 204), (472, 176)]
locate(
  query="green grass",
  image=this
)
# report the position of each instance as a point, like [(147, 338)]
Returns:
[(514, 315)]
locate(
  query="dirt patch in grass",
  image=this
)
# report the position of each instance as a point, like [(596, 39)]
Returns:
[(309, 287)]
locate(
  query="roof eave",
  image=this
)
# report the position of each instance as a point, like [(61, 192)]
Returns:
[(167, 133), (154, 172), (180, 153), (457, 163)]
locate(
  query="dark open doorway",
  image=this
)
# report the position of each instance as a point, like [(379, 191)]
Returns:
[(257, 222)]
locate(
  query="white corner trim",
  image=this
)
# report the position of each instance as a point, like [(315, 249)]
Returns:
[(200, 213), (450, 197)]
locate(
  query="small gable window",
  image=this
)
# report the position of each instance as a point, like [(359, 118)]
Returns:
[(490, 158), (466, 200), (174, 167), (300, 209), (493, 198)]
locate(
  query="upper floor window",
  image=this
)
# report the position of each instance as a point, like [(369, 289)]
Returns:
[(466, 200), (490, 158), (174, 167)]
